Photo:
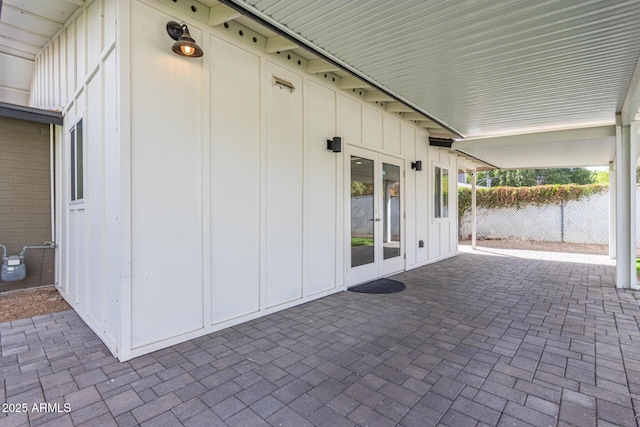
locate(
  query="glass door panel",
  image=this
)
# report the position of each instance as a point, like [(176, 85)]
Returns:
[(373, 197), (362, 211), (391, 211)]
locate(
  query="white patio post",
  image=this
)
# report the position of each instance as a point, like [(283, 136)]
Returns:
[(473, 211), (626, 157), (612, 210)]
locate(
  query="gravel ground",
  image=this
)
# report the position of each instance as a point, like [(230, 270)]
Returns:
[(30, 302)]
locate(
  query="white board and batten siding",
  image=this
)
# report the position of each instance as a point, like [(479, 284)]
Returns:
[(260, 222), (72, 74), (237, 208)]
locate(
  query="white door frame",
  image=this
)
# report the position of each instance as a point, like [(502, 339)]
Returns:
[(379, 267)]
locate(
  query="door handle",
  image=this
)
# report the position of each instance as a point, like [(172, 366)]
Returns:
[(378, 220)]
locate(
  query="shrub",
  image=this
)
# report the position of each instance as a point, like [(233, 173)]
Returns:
[(518, 197)]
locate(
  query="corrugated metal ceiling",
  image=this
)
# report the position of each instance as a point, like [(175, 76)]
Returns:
[(481, 67)]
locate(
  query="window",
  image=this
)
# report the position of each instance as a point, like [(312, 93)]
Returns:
[(441, 193), (77, 164)]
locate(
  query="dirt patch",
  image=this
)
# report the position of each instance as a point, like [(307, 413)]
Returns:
[(542, 246), (28, 303)]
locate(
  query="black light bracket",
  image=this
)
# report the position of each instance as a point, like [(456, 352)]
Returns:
[(175, 29), (335, 144), (417, 165)]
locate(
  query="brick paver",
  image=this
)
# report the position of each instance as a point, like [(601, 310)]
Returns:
[(493, 337)]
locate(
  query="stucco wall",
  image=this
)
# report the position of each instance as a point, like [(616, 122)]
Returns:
[(25, 197)]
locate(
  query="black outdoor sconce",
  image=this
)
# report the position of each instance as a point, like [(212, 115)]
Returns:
[(335, 144), (185, 45), (417, 165)]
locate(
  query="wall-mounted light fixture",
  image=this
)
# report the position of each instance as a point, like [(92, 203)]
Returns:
[(335, 144), (417, 165), (185, 45)]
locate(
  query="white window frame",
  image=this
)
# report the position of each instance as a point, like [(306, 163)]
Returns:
[(438, 216), (77, 162)]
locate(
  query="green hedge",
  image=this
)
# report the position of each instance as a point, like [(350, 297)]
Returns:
[(518, 197)]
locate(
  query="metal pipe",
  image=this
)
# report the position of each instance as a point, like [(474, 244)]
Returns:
[(4, 248), (50, 245)]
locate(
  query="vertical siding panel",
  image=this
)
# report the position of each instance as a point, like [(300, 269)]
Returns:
[(235, 191), (166, 193), (371, 128), (55, 63), (320, 190), (112, 194), (109, 33), (81, 57), (283, 208), (391, 140), (94, 193), (62, 77), (71, 61), (94, 34), (349, 119), (407, 144)]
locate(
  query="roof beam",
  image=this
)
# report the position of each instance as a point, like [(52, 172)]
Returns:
[(220, 13), (316, 66), (418, 118), (352, 83), (279, 44), (377, 96), (396, 107)]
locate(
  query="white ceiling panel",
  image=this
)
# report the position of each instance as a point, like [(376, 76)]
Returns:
[(594, 146), (16, 72), (481, 67), (26, 26)]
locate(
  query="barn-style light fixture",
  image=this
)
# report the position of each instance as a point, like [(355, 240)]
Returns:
[(417, 165), (185, 45)]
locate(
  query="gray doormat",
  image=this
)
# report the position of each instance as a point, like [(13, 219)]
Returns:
[(379, 286)]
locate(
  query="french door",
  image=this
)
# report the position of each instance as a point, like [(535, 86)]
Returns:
[(375, 232)]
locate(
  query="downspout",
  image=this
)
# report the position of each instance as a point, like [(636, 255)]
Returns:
[(52, 180)]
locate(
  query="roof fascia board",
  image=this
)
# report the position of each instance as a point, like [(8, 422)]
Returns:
[(274, 25), (31, 114), (487, 165)]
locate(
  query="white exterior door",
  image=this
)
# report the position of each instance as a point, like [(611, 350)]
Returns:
[(375, 243)]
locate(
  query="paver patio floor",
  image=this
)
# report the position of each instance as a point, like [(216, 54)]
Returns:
[(478, 339)]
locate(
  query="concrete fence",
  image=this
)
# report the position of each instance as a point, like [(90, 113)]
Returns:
[(584, 221)]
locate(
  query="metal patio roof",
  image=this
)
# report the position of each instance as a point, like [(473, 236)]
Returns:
[(481, 68)]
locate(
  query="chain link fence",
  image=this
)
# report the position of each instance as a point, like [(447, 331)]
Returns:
[(585, 221)]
